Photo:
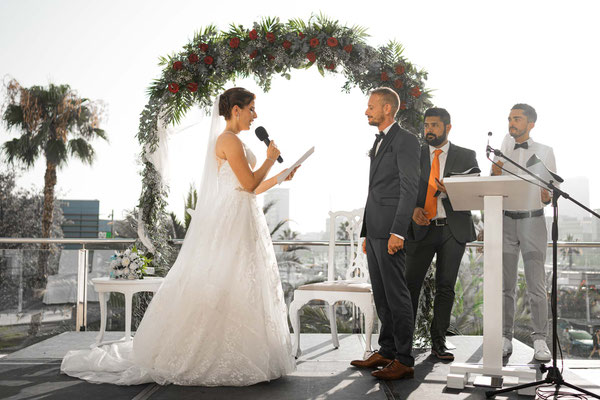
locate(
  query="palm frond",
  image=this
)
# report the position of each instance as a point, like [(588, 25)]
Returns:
[(101, 133), (270, 24), (279, 225), (297, 24), (13, 117), (236, 30), (56, 152), (268, 205), (82, 150), (18, 150)]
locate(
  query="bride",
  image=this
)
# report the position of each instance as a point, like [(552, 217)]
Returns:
[(219, 319)]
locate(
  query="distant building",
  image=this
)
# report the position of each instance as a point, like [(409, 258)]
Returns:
[(81, 218), (596, 227), (280, 211)]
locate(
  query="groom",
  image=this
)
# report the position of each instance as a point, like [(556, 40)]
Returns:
[(392, 195)]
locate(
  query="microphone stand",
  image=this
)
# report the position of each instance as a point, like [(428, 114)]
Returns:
[(554, 376)]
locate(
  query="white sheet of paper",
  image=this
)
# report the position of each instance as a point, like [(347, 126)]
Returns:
[(288, 171)]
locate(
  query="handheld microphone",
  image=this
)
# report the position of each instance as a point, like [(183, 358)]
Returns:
[(263, 136), (488, 149)]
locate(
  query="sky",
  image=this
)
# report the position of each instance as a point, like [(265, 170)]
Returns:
[(482, 57)]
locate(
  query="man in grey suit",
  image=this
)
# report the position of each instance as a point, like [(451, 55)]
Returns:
[(393, 180), (437, 229)]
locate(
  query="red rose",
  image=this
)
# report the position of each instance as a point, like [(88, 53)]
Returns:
[(253, 35), (287, 44), (348, 48), (193, 58), (415, 92), (253, 54), (270, 37), (314, 42), (203, 47), (177, 65), (399, 69), (301, 35), (398, 83), (384, 76), (234, 42), (208, 60), (332, 42), (270, 57), (403, 105), (311, 56), (330, 66), (173, 87), (192, 86)]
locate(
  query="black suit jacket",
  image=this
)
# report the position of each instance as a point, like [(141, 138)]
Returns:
[(393, 185), (460, 223)]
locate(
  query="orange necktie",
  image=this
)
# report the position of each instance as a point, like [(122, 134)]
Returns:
[(430, 200)]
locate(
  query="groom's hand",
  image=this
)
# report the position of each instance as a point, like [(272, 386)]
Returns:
[(365, 246), (395, 244)]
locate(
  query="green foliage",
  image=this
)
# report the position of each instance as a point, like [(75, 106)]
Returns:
[(421, 336), (213, 58), (190, 203), (21, 212)]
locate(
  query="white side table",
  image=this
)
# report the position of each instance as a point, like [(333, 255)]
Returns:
[(128, 288)]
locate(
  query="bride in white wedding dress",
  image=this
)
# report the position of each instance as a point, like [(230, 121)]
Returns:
[(219, 319)]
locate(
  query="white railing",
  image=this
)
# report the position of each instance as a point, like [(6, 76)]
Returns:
[(82, 270)]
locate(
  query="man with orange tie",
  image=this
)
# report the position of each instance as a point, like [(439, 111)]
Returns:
[(436, 229)]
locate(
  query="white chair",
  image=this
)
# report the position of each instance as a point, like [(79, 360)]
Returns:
[(354, 288)]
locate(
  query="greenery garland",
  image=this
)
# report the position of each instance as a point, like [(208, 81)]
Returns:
[(198, 73)]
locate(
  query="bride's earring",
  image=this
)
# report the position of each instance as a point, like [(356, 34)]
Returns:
[(237, 116)]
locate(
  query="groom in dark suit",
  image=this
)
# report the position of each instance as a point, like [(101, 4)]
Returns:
[(437, 229), (393, 185)]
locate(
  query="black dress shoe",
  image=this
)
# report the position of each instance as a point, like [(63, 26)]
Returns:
[(440, 351)]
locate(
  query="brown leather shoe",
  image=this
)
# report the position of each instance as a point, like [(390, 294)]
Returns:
[(394, 370), (374, 361)]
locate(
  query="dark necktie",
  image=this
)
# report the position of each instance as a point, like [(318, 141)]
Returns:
[(523, 145), (378, 138)]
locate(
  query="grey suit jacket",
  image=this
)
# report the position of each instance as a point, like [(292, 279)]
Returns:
[(460, 223), (393, 185)]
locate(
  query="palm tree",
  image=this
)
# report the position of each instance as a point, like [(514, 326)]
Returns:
[(55, 124)]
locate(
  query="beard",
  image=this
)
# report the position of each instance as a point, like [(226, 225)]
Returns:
[(435, 141), (515, 133)]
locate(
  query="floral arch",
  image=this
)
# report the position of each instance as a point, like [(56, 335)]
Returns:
[(200, 71)]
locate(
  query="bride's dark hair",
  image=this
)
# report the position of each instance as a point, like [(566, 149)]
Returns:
[(236, 96)]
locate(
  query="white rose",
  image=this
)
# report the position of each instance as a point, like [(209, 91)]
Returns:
[(125, 261), (127, 252)]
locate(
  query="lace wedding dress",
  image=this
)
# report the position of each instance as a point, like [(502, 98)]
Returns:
[(219, 318)]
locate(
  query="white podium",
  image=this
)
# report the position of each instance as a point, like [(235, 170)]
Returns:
[(492, 194)]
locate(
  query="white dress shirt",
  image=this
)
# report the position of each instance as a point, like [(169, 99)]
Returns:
[(385, 131), (521, 156), (441, 212)]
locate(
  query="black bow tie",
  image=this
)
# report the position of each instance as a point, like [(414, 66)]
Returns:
[(523, 145), (379, 136)]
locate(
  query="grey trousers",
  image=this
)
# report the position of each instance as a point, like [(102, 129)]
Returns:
[(527, 236)]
